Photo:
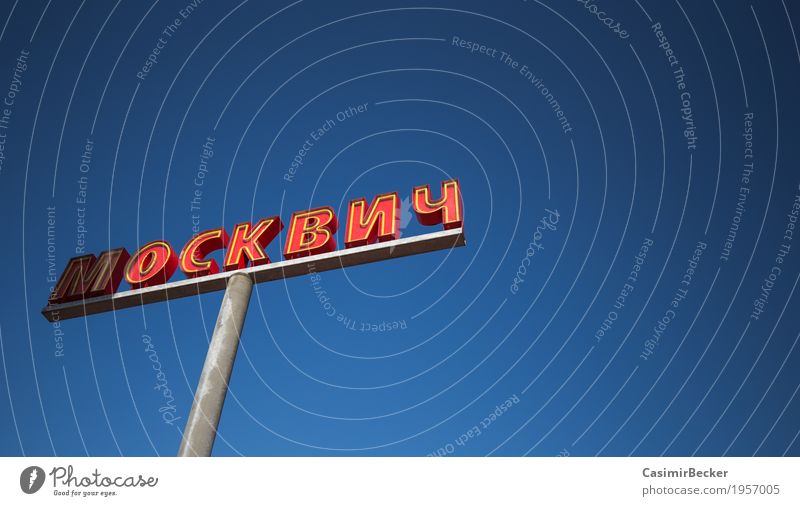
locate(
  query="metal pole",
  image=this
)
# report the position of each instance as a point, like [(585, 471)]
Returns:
[(201, 426)]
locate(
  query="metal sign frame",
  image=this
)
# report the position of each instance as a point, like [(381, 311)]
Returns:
[(278, 270)]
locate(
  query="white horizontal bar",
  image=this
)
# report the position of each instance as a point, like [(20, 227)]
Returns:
[(390, 481)]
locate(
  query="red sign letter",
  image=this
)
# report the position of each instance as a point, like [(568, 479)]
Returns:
[(85, 276), (193, 262), (251, 241), (311, 232), (362, 229), (153, 264), (446, 210)]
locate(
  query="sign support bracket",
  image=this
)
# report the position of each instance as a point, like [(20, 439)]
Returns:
[(201, 426)]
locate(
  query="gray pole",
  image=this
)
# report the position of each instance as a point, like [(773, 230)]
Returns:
[(201, 426)]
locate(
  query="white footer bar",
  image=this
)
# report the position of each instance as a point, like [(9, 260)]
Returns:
[(402, 481)]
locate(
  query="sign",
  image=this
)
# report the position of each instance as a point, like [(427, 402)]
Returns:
[(89, 284)]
